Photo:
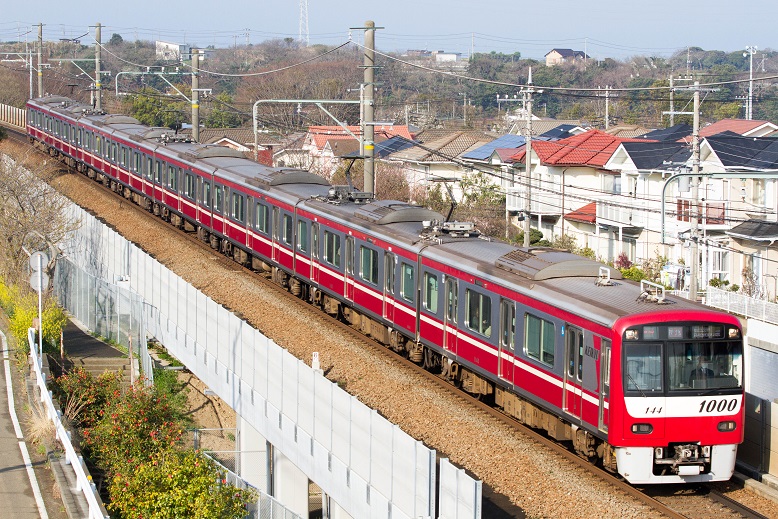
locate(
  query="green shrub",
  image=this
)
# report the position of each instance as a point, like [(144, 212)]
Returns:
[(177, 484)]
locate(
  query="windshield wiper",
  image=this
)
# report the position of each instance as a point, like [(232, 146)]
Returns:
[(636, 385)]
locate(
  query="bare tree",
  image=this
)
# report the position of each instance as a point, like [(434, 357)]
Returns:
[(33, 214)]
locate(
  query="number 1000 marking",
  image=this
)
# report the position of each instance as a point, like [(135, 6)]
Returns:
[(709, 406)]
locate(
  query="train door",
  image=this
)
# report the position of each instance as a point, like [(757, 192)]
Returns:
[(605, 383), (572, 387), (507, 343), (450, 317), (274, 235), (390, 265), (315, 252), (349, 271)]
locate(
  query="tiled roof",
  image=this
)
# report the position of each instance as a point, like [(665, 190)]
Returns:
[(319, 135), (627, 131), (759, 230), (485, 151), (592, 148), (541, 126), (585, 214), (444, 148), (387, 147), (240, 135), (739, 126)]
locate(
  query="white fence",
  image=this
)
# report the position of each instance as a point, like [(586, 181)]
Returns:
[(366, 464), (83, 481), (12, 116), (743, 305)]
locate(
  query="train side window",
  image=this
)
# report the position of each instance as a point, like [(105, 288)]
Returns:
[(98, 145), (262, 218), (368, 265), (575, 351), (124, 161), (389, 262), (287, 234), (80, 137), (431, 292), (315, 240), (206, 196), (539, 339), (218, 203), (332, 248), (452, 296), (113, 152), (238, 207), (138, 162), (158, 173), (302, 235), (507, 323), (149, 171), (479, 312), (408, 289)]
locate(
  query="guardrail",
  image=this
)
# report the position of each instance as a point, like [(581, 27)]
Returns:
[(13, 116), (84, 482)]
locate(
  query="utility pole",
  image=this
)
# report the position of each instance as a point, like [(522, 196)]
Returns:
[(40, 59), (607, 106), (750, 51), (195, 95), (98, 83), (695, 192), (527, 93), (368, 130), (672, 99)]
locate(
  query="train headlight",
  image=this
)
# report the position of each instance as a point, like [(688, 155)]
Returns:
[(658, 452), (642, 428), (733, 333), (631, 335), (727, 426)]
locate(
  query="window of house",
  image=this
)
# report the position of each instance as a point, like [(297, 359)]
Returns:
[(479, 312)]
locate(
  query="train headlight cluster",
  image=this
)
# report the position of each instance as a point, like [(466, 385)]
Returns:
[(642, 428), (733, 333), (727, 426), (632, 335)]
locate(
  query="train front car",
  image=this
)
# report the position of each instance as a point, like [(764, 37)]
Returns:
[(682, 396)]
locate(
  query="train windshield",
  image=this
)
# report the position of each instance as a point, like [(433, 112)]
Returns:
[(682, 358)]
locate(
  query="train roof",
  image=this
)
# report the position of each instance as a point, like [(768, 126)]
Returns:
[(553, 276)]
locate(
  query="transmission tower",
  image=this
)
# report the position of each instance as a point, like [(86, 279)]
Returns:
[(304, 23)]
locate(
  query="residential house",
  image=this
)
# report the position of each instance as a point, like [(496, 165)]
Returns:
[(495, 158), (559, 56), (567, 175), (321, 143), (436, 157)]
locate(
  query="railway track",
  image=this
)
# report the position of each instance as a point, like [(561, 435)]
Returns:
[(658, 502)]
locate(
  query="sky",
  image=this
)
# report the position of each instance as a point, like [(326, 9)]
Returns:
[(615, 29)]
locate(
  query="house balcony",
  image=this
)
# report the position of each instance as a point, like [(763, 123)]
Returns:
[(541, 202), (622, 211), (715, 214)]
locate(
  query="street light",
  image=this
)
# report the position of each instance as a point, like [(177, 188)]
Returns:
[(750, 51)]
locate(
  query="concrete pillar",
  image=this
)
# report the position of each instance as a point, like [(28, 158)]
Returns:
[(333, 510), (290, 485), (253, 457)]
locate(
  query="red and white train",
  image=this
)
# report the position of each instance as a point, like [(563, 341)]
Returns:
[(651, 386)]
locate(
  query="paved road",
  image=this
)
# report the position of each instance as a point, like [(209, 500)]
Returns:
[(20, 496)]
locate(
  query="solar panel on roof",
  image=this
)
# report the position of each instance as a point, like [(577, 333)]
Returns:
[(485, 151)]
